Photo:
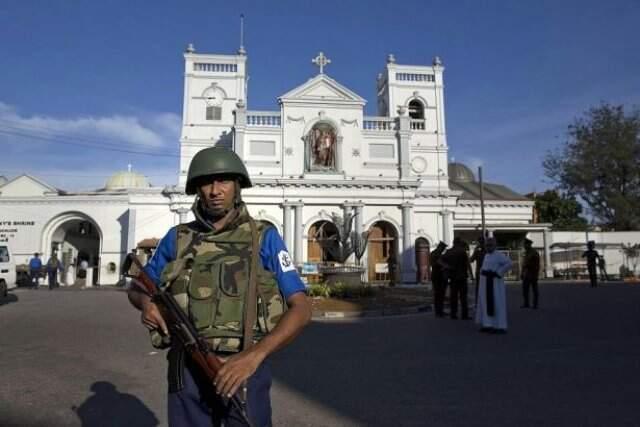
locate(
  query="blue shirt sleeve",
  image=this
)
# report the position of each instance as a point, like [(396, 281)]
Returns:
[(276, 259), (164, 254)]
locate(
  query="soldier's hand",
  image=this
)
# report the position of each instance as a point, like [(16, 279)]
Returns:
[(235, 371), (152, 318)]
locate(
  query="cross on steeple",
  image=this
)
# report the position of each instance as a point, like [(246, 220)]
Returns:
[(321, 61)]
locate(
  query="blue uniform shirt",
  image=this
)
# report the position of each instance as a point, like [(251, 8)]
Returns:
[(273, 254), (35, 264)]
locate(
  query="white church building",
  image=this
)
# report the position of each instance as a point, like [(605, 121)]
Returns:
[(316, 154)]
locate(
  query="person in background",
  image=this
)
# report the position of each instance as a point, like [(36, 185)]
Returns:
[(456, 262), (438, 279), (529, 274), (53, 266), (477, 257), (35, 269), (491, 313), (592, 257), (602, 266)]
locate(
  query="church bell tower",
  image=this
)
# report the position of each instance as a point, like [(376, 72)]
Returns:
[(213, 84)]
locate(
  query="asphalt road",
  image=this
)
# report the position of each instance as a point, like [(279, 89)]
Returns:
[(70, 358)]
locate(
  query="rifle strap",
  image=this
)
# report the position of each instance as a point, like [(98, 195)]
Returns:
[(251, 303)]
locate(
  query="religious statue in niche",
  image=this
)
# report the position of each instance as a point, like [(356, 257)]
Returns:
[(321, 147)]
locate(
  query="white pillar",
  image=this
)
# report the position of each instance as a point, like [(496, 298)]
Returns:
[(286, 206), (131, 230), (548, 268), (297, 235), (359, 218), (408, 251), (447, 226)]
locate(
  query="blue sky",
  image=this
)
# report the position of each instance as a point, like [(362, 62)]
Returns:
[(81, 74)]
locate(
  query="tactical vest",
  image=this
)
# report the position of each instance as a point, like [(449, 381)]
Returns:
[(210, 281)]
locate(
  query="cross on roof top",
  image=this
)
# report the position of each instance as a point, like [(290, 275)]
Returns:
[(321, 61)]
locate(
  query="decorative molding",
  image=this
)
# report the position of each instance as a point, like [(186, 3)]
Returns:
[(418, 164), (355, 152), (353, 122), (296, 119), (288, 151)]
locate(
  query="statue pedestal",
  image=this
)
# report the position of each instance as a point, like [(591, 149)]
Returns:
[(345, 274)]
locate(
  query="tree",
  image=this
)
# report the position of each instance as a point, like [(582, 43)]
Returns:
[(561, 210), (599, 165)]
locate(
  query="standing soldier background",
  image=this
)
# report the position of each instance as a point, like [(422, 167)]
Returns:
[(592, 261), (129, 269), (530, 273), (456, 263), (602, 266), (438, 279), (208, 265), (478, 256)]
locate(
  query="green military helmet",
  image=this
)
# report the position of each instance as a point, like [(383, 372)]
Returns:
[(216, 161)]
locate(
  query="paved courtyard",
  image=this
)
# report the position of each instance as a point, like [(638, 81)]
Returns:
[(71, 358)]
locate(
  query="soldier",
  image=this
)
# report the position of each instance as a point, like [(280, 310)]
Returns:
[(438, 279), (456, 262), (529, 274), (212, 261), (478, 256), (592, 261)]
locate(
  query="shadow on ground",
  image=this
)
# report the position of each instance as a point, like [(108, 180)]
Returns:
[(8, 299), (109, 407), (422, 371)]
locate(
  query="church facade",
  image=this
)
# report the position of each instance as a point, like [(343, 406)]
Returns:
[(314, 157)]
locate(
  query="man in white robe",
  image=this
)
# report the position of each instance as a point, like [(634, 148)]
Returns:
[(491, 310)]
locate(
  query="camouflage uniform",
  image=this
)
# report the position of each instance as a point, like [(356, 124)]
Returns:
[(208, 274)]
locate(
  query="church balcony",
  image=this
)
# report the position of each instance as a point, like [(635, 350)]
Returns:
[(379, 124), (417, 124), (264, 119)]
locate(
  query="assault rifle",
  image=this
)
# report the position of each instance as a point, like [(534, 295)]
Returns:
[(182, 331)]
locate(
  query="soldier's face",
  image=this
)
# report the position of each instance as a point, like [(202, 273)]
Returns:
[(218, 194)]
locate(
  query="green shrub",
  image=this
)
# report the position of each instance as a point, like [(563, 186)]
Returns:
[(319, 290)]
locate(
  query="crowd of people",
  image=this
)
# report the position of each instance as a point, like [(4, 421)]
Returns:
[(451, 269)]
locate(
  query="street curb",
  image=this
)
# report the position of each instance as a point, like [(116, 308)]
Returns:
[(339, 315)]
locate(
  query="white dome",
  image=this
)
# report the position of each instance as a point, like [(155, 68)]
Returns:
[(126, 180), (3, 180)]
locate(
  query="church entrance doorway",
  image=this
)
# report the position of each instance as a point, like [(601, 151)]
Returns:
[(77, 241), (383, 253)]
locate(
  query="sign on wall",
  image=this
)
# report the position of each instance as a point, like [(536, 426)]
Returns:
[(10, 229)]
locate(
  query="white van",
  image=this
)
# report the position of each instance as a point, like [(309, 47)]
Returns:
[(7, 270)]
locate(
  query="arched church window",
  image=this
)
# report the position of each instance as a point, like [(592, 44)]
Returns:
[(321, 144), (416, 110)]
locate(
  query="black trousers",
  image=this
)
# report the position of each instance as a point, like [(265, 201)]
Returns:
[(459, 294), (533, 284), (439, 290), (593, 277)]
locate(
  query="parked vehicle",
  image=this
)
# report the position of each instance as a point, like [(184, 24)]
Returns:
[(7, 271)]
